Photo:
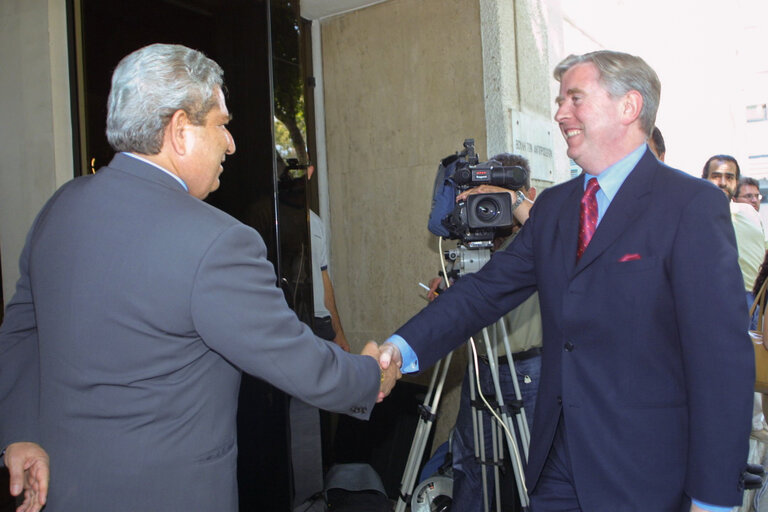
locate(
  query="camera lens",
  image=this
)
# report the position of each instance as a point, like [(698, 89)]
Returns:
[(487, 209)]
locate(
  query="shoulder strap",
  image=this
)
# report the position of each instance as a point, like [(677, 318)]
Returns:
[(759, 300)]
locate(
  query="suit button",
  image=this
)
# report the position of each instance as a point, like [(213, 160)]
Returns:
[(569, 346), (559, 400)]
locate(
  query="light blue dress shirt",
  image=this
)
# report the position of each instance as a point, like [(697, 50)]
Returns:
[(612, 178)]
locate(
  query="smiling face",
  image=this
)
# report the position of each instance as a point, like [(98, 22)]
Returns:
[(590, 119), (207, 147)]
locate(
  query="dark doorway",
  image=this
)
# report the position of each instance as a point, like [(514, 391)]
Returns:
[(260, 45)]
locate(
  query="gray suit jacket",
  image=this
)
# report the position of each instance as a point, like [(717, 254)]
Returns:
[(121, 352)]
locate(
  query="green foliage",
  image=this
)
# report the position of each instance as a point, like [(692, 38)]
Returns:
[(290, 125)]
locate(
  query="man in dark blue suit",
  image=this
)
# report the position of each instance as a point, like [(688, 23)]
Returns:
[(647, 375)]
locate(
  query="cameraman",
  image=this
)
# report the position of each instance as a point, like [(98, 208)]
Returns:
[(523, 325)]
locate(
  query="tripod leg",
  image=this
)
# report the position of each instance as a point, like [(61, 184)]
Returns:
[(419, 443), (517, 460), (497, 457), (478, 428), (522, 420)]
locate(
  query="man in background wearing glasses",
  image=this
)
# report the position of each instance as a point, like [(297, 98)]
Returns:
[(748, 191)]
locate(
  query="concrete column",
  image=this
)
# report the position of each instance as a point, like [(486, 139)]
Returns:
[(35, 134)]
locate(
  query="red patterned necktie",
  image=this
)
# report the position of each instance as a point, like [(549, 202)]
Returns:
[(587, 216)]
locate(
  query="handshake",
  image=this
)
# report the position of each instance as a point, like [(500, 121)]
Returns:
[(388, 357)]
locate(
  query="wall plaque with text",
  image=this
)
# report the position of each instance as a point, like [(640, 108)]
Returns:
[(532, 137)]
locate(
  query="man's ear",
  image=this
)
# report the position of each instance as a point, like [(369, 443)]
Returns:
[(531, 193), (176, 132), (632, 105)]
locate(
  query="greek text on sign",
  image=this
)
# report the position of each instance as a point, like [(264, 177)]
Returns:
[(532, 138)]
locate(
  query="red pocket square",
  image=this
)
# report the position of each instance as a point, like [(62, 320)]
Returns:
[(630, 257)]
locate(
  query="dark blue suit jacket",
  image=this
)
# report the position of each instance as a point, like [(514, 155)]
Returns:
[(646, 352)]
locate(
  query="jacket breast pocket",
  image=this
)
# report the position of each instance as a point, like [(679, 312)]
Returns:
[(644, 263), (638, 284)]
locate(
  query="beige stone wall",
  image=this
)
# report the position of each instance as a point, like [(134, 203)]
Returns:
[(35, 134), (405, 83), (403, 88), (521, 46)]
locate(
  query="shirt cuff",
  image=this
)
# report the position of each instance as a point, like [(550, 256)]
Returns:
[(410, 361), (711, 508)]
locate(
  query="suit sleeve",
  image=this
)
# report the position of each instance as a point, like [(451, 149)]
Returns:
[(240, 313), (475, 301), (717, 353), (19, 363)]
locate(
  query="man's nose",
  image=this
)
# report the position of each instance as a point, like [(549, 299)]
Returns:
[(560, 114), (230, 143)]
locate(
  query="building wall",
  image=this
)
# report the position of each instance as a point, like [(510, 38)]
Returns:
[(403, 88), (35, 134), (406, 81)]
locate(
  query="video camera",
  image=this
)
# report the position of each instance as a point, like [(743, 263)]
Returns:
[(479, 217)]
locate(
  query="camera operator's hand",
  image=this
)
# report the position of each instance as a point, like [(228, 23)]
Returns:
[(521, 213), (433, 287), (484, 189)]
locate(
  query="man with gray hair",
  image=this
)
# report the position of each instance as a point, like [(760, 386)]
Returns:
[(139, 306), (646, 382)]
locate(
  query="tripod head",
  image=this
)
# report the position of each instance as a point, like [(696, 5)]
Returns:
[(466, 259)]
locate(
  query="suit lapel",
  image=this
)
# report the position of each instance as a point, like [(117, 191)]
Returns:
[(630, 201)]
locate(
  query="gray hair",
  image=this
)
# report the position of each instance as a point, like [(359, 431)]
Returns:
[(619, 74), (150, 85)]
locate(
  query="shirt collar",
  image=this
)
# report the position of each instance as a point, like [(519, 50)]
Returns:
[(166, 171), (611, 179)]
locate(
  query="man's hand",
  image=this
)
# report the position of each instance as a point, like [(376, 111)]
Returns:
[(29, 469), (389, 353), (389, 375), (433, 285), (484, 189)]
